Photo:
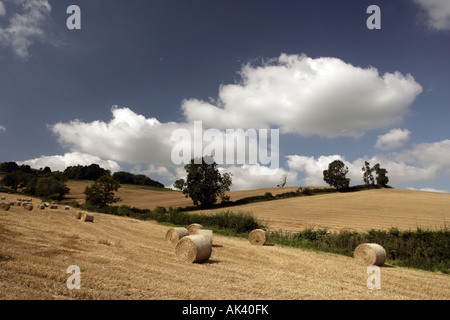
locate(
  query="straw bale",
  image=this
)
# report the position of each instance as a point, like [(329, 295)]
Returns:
[(5, 206), (193, 248), (370, 254), (173, 235), (87, 217), (193, 228), (258, 237)]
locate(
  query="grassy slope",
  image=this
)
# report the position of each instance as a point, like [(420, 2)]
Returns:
[(122, 258)]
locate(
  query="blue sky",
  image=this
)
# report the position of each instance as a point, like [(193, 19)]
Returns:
[(112, 92)]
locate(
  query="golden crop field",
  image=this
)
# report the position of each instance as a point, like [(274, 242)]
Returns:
[(149, 199), (361, 211), (124, 258)]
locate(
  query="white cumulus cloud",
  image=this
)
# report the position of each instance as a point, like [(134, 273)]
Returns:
[(426, 153), (324, 96), (2, 128), (60, 163), (394, 139), (437, 12), (128, 137)]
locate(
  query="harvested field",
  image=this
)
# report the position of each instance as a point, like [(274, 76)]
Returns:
[(149, 199), (123, 258), (360, 211)]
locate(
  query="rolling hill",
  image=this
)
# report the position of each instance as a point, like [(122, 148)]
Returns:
[(361, 211), (123, 258)]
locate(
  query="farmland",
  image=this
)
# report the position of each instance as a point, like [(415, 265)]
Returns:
[(361, 211), (124, 258)]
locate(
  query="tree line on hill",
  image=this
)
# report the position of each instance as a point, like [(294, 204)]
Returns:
[(52, 185), (336, 176)]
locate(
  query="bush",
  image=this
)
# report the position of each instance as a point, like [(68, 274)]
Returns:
[(424, 249), (123, 210)]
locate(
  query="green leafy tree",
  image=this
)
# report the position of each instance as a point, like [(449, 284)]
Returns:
[(367, 174), (101, 192), (335, 176), (204, 183), (381, 177), (179, 184), (8, 167), (16, 179), (50, 187)]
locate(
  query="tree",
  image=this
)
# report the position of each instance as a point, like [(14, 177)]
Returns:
[(139, 179), (381, 177), (91, 172), (16, 179), (101, 192), (50, 187), (283, 181), (335, 176), (367, 174), (179, 184), (204, 183), (8, 167)]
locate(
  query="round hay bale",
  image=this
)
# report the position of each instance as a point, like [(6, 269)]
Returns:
[(258, 237), (53, 206), (28, 206), (46, 204), (193, 228), (12, 203), (78, 214), (371, 254), (66, 208), (206, 233), (87, 217), (42, 206), (173, 235), (5, 206), (193, 248), (19, 203)]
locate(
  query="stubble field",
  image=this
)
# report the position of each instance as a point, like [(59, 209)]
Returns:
[(123, 258)]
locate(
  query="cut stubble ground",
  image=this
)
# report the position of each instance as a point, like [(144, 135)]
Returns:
[(124, 258)]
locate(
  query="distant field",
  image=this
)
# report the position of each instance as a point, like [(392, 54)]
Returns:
[(361, 211), (123, 258), (149, 198)]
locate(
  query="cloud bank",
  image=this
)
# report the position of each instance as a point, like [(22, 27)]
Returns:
[(323, 96), (60, 163), (423, 162), (297, 94), (127, 137)]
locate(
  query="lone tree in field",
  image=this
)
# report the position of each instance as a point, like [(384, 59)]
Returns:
[(204, 183), (335, 176), (101, 193)]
